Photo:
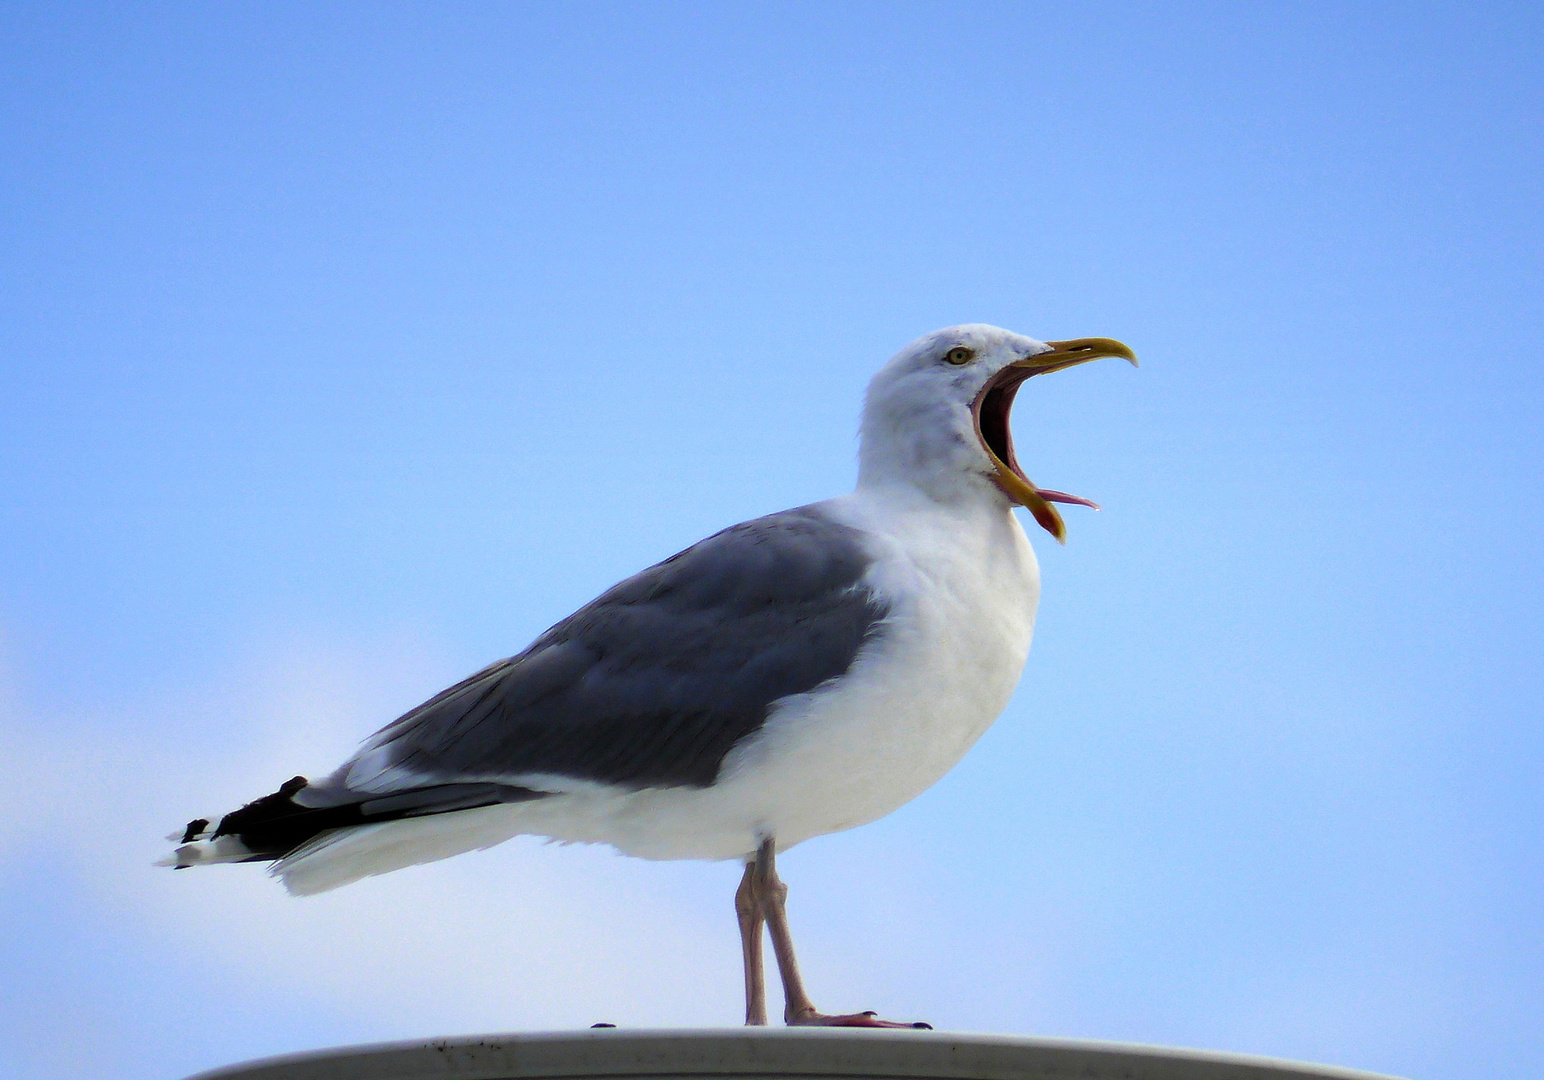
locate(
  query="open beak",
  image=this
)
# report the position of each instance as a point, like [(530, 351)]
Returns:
[(994, 404)]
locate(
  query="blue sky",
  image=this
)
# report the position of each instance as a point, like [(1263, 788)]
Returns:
[(346, 347)]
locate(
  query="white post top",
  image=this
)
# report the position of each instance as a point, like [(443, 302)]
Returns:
[(770, 1054)]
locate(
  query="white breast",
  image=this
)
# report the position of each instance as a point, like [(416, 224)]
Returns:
[(962, 584), (963, 591)]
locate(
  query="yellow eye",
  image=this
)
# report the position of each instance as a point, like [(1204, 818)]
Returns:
[(959, 355)]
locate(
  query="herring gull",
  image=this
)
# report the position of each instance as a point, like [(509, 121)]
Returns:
[(795, 675)]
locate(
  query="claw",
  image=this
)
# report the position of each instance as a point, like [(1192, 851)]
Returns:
[(868, 1019)]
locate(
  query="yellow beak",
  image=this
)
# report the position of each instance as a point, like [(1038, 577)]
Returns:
[(1063, 354)]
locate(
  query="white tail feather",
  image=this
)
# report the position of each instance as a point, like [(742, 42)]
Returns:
[(222, 849), (340, 856)]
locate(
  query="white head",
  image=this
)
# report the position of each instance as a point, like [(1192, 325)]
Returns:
[(936, 416)]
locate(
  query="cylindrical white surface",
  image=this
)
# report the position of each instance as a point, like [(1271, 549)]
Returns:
[(770, 1054)]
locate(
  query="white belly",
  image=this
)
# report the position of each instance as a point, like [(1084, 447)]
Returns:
[(945, 665), (962, 592)]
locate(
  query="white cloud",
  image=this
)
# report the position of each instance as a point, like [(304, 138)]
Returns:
[(529, 935)]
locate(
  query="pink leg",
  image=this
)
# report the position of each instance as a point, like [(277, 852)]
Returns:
[(748, 910), (798, 1009)]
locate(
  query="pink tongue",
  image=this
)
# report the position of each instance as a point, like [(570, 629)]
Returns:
[(1062, 497)]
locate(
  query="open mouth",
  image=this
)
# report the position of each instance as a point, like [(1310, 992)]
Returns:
[(994, 404)]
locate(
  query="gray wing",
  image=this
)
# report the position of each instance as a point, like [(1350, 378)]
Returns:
[(654, 682)]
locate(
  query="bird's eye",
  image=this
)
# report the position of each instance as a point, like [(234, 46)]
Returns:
[(959, 355)]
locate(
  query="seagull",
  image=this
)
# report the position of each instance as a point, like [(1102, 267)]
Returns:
[(791, 676)]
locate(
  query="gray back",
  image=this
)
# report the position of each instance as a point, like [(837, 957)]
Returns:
[(654, 682)]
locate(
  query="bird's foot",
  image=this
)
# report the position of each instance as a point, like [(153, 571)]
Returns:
[(811, 1018)]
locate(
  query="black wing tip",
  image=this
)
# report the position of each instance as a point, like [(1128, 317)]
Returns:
[(275, 825)]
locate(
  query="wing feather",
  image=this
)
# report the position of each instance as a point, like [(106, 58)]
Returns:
[(654, 682)]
